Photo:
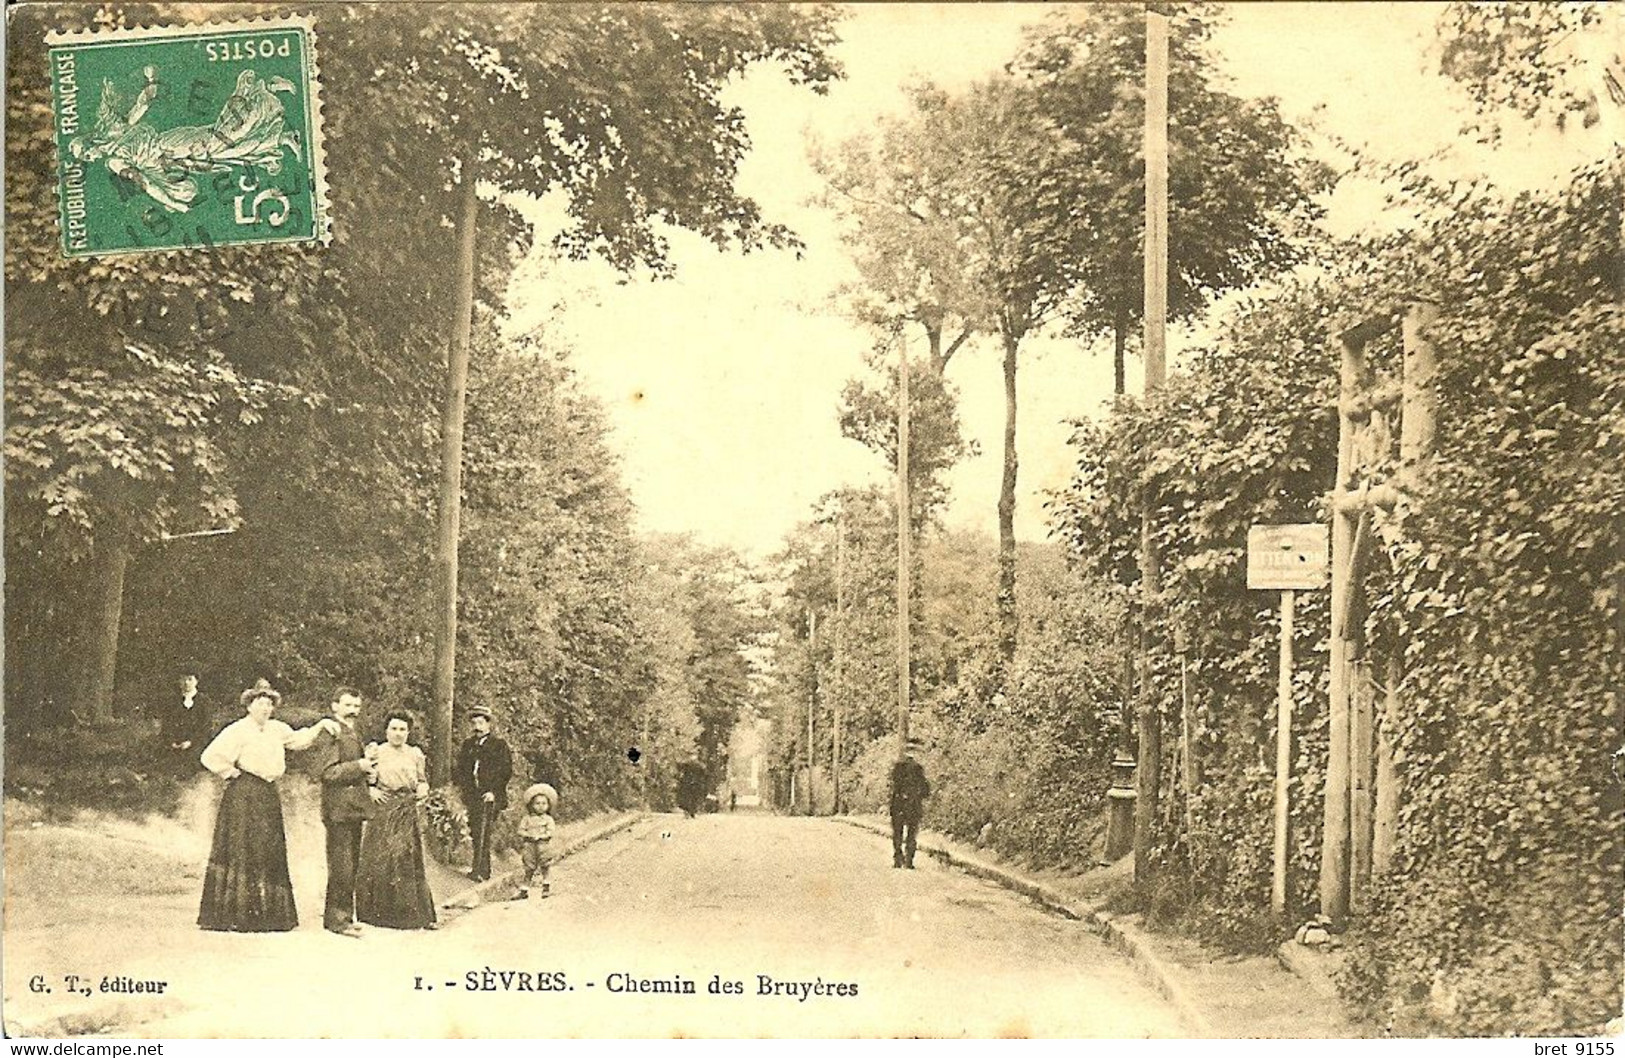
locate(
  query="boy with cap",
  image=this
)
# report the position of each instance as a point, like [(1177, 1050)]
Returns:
[(484, 766), (536, 837)]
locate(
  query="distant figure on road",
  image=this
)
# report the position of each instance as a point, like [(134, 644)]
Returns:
[(347, 768), (908, 793), (484, 766), (733, 800), (392, 888), (691, 786), (536, 838), (246, 888)]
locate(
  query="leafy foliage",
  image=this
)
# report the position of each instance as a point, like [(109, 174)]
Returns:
[(620, 111), (1240, 195), (1501, 585), (1537, 61), (936, 442)]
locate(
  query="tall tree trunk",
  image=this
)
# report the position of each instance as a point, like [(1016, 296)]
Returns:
[(451, 489), (103, 612), (1119, 354), (1007, 508)]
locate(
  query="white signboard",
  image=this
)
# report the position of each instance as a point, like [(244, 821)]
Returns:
[(1283, 557)]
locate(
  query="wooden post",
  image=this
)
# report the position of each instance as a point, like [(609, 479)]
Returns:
[(1156, 196), (1334, 860), (1385, 824), (451, 490), (1148, 776), (904, 559), (1417, 427), (812, 703), (1283, 757), (1417, 399), (1187, 757), (840, 662), (1361, 725), (1362, 779), (647, 761)]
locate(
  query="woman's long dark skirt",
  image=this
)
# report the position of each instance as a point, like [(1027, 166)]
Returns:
[(391, 887), (246, 888)]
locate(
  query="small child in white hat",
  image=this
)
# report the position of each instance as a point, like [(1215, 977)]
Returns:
[(536, 837)]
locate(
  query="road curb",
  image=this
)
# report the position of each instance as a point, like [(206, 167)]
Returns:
[(1122, 936), (481, 893)]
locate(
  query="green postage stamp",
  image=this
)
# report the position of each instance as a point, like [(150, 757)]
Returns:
[(187, 136)]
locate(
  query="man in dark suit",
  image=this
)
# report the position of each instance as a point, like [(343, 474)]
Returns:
[(346, 770), (484, 766), (187, 725), (908, 793)]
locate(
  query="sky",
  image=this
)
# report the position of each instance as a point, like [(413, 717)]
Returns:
[(722, 385)]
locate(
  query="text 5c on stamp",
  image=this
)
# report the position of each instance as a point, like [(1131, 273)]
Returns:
[(186, 136)]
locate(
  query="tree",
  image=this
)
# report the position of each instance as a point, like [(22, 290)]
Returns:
[(712, 605), (101, 459), (1539, 61), (896, 192), (956, 221), (618, 108), (1009, 213), (1240, 198), (868, 415)]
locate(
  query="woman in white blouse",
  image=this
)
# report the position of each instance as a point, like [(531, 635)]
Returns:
[(246, 887)]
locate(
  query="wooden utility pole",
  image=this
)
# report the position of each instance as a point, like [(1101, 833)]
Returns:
[(812, 700), (1188, 778), (451, 489), (904, 561), (1334, 856), (1149, 774), (840, 628)]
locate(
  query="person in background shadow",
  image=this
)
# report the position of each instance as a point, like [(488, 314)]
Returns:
[(186, 726), (908, 793), (484, 766), (346, 769), (691, 781)]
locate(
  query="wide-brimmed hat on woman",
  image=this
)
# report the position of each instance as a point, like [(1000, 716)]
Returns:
[(261, 689)]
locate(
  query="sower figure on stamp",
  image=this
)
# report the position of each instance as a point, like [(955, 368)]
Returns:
[(908, 793), (346, 768), (484, 766)]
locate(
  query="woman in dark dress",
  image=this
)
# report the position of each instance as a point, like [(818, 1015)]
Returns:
[(391, 887), (246, 886)]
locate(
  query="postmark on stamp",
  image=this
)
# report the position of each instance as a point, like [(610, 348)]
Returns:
[(188, 136)]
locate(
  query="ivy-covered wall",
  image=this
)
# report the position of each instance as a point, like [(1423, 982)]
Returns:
[(1501, 911)]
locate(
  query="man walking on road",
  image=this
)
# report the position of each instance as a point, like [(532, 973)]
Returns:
[(908, 793), (346, 770), (484, 766)]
